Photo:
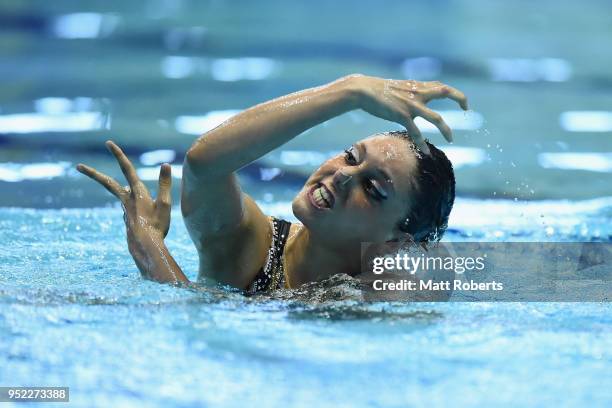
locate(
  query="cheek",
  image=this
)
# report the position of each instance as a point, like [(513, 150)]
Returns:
[(330, 166), (358, 202), (364, 217), (373, 217), (326, 169)]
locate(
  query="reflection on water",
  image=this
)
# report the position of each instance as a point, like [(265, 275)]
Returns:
[(464, 156), (61, 122), (60, 114), (85, 25), (456, 119), (304, 157), (157, 157), (196, 125), (599, 162), (14, 172), (176, 67), (152, 173), (530, 70), (268, 174), (220, 69), (237, 69), (586, 121), (57, 105)]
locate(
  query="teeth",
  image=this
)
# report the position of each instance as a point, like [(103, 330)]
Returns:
[(325, 194), (321, 197)]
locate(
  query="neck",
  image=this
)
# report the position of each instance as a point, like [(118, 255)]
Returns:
[(308, 259)]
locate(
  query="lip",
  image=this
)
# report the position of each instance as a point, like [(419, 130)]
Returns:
[(313, 202)]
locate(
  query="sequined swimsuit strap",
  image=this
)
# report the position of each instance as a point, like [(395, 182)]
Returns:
[(272, 275)]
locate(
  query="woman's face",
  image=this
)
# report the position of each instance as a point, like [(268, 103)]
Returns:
[(360, 195)]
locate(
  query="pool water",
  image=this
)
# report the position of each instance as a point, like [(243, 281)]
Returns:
[(532, 159), (74, 311)]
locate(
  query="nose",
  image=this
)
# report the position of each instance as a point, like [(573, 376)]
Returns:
[(342, 179)]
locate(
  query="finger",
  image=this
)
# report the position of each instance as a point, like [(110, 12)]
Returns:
[(442, 91), (108, 182), (436, 119), (126, 166), (416, 136), (164, 196)]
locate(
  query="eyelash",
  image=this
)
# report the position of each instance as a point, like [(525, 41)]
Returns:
[(372, 191), (349, 157), (368, 186)]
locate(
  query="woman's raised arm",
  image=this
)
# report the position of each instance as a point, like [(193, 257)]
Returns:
[(212, 199), (256, 131)]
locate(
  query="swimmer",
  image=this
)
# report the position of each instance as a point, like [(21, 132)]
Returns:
[(393, 186)]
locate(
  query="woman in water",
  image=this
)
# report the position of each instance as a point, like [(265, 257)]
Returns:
[(388, 187)]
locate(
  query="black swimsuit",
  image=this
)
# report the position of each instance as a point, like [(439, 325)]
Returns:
[(272, 275)]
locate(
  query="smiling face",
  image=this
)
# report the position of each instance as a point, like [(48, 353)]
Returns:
[(362, 194)]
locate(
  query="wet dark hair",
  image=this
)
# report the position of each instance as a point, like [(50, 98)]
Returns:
[(435, 194)]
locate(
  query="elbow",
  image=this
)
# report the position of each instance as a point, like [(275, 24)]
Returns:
[(196, 159), (191, 157), (206, 156)]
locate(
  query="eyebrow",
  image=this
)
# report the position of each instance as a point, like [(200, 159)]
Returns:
[(386, 177)]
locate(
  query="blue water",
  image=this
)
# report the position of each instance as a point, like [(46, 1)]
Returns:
[(74, 312), (533, 160)]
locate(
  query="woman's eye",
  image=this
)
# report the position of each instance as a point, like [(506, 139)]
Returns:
[(351, 155), (372, 190)]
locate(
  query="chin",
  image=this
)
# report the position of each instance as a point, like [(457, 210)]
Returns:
[(299, 206), (303, 210)]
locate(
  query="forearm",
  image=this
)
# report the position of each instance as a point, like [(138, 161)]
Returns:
[(154, 260), (256, 131)]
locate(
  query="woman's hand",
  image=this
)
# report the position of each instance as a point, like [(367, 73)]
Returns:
[(402, 101), (142, 214), (147, 220)]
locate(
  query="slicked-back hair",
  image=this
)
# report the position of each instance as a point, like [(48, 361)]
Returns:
[(427, 219)]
